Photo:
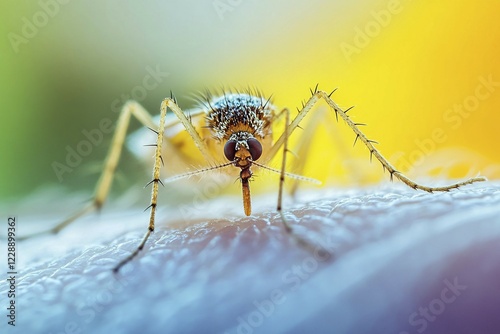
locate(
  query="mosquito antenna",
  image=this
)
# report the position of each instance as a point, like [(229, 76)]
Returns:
[(290, 175), (196, 172)]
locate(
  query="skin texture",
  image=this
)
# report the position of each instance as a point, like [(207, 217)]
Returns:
[(386, 255)]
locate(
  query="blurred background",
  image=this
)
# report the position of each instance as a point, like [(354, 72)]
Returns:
[(424, 76)]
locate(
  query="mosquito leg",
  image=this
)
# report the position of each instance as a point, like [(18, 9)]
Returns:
[(374, 152), (316, 96), (155, 181), (302, 147), (288, 228), (131, 108), (303, 144), (190, 129)]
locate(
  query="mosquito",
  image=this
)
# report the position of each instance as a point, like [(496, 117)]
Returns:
[(236, 126)]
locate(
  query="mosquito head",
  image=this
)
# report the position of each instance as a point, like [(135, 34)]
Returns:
[(242, 148)]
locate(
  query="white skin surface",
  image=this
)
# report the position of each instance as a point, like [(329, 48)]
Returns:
[(391, 250)]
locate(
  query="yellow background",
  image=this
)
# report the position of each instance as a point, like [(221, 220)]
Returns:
[(417, 62)]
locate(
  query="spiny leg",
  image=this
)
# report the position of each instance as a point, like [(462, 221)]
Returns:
[(168, 103), (288, 228), (156, 180), (131, 108), (186, 121), (318, 94), (189, 115), (301, 150), (304, 142)]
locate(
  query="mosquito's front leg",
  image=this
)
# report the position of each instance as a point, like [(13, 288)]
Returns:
[(155, 181), (168, 103)]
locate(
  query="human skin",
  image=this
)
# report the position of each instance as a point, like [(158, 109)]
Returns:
[(383, 260)]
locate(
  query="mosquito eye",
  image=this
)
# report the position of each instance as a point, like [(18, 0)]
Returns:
[(255, 148), (230, 149)]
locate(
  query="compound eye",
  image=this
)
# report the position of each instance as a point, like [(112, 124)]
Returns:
[(255, 148), (230, 149)]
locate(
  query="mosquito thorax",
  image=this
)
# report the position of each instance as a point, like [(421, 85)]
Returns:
[(234, 113)]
